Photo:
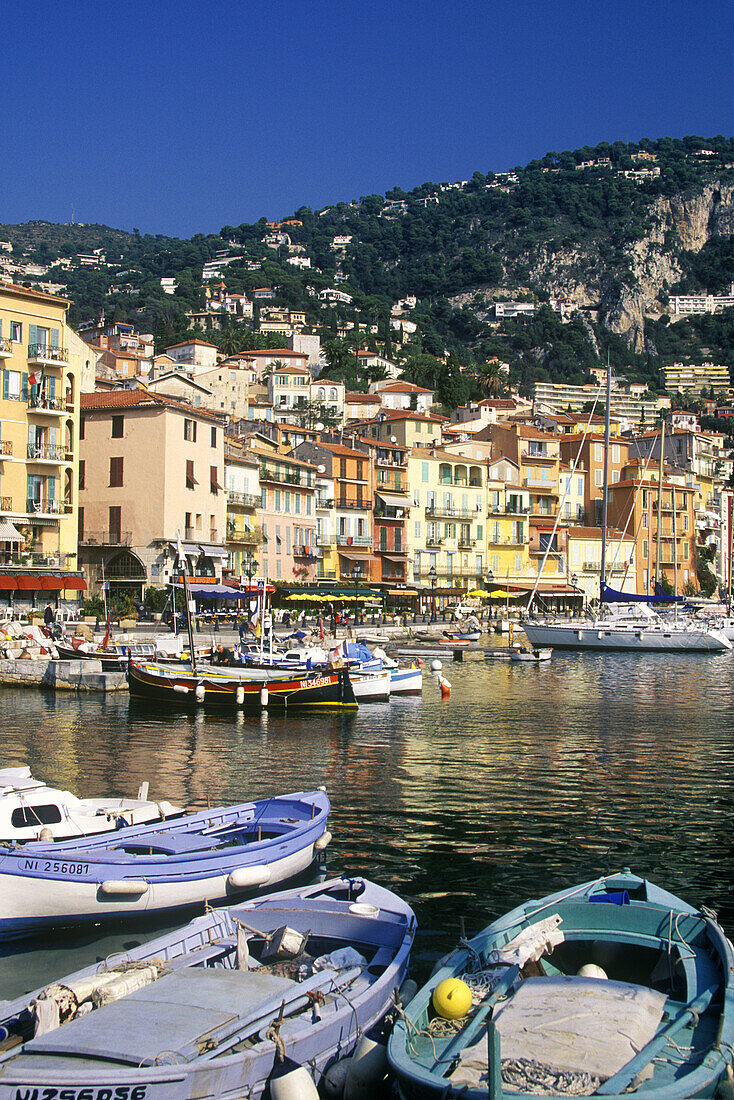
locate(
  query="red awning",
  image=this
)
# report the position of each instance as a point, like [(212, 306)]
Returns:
[(27, 582), (8, 584), (75, 584), (51, 584)]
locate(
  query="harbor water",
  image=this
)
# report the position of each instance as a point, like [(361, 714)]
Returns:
[(527, 779)]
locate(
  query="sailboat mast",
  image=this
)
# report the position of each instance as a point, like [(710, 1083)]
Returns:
[(660, 504), (603, 575), (730, 517)]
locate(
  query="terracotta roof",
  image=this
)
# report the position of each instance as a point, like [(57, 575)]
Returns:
[(404, 387), (26, 292), (361, 398), (498, 403), (274, 353), (407, 414), (340, 449), (290, 370), (138, 398), (188, 343)]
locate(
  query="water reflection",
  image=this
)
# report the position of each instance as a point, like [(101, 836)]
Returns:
[(529, 778)]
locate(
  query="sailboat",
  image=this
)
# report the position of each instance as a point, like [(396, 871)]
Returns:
[(625, 622)]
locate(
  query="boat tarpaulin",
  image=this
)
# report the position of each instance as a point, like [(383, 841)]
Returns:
[(611, 595), (215, 592)]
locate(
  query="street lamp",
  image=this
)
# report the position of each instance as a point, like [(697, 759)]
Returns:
[(251, 568), (433, 578), (357, 574), (575, 583), (490, 580)]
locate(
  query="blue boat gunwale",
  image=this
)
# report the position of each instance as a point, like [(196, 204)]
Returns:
[(309, 812)]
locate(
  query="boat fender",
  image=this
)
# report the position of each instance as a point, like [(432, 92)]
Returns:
[(45, 834), (128, 886), (407, 992), (240, 695), (243, 877), (452, 999), (367, 1066), (200, 693), (264, 696), (182, 688), (445, 686), (591, 970), (364, 909), (290, 1081), (323, 842), (436, 666), (334, 1080)]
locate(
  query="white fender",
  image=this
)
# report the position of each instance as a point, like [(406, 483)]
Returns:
[(243, 877), (323, 842), (130, 886), (240, 695), (200, 693), (264, 696), (436, 666), (182, 688), (367, 1069), (289, 1081)]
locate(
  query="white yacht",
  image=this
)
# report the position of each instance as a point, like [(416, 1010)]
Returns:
[(31, 810), (633, 626)]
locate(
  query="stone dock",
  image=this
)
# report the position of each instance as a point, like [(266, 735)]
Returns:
[(60, 675)]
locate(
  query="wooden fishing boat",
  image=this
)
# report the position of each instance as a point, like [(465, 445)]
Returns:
[(209, 856), (210, 686), (462, 635), (611, 987), (260, 996), (31, 810)]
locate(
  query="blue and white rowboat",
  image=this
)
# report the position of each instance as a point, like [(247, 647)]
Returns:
[(209, 856), (211, 1009)]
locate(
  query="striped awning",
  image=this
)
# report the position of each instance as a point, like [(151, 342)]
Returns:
[(9, 532)]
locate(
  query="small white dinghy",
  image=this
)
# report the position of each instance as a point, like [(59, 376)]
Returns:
[(533, 655), (31, 810)]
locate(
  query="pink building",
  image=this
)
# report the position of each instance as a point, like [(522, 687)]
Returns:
[(286, 516)]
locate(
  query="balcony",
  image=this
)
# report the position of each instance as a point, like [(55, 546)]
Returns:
[(6, 448), (6, 347), (466, 543), (324, 502), (285, 477), (47, 507), (537, 456), (445, 511), (242, 538), (505, 540), (303, 551), (433, 540), (44, 452), (537, 483), (46, 406), (509, 508), (357, 505), (44, 356), (326, 540), (353, 540), (245, 500), (389, 512), (106, 538), (474, 482)]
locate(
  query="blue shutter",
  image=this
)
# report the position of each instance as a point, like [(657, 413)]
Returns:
[(24, 386), (52, 488), (6, 389), (51, 386), (32, 335), (54, 338)]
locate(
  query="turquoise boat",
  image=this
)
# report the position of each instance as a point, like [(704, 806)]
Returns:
[(610, 988)]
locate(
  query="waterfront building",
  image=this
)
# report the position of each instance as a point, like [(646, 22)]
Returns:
[(392, 507), (151, 471), (446, 532), (244, 497), (287, 514), (41, 359), (590, 466), (508, 529), (584, 560)]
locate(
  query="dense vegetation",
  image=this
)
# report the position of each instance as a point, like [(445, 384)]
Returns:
[(458, 248)]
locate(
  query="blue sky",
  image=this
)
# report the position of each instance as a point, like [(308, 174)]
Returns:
[(179, 117)]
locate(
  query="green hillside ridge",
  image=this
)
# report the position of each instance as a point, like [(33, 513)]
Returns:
[(612, 240)]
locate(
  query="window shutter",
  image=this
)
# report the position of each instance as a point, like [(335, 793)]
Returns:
[(24, 386), (5, 385), (55, 338), (52, 387), (32, 335), (52, 488)]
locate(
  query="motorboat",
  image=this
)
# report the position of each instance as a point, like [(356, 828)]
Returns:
[(610, 988), (534, 656), (31, 810), (635, 627), (259, 998)]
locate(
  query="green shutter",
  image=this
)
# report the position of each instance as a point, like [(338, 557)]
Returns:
[(24, 386), (51, 387), (54, 338), (32, 335), (6, 388), (52, 488)]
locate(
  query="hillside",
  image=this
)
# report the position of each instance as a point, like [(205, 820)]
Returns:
[(597, 239)]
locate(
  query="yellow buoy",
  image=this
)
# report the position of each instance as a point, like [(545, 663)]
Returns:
[(452, 998)]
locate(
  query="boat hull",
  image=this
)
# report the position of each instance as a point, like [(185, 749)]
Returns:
[(180, 688), (634, 639), (406, 681)]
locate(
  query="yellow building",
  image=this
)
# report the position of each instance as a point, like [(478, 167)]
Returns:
[(508, 538), (447, 528), (41, 360)]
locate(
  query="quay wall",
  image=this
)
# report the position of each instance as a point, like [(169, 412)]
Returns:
[(60, 675)]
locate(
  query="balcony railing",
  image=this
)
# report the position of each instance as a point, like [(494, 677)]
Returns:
[(46, 354), (247, 500), (505, 540), (6, 447), (243, 538), (509, 509), (358, 505), (390, 512), (447, 511), (324, 502), (538, 483), (302, 551), (466, 543), (326, 540), (433, 540), (283, 477), (46, 507), (353, 540), (45, 404), (44, 452), (106, 538)]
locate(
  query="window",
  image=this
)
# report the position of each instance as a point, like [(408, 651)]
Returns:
[(287, 501), (342, 467), (644, 520), (115, 520), (685, 522), (417, 529), (80, 520), (82, 472), (615, 452), (598, 478), (115, 473), (117, 426), (12, 385), (82, 422), (28, 817), (645, 548), (214, 485), (16, 333), (398, 539), (190, 430), (263, 498), (424, 472), (518, 563), (495, 562), (191, 481), (214, 437), (685, 551), (277, 500), (598, 452)]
